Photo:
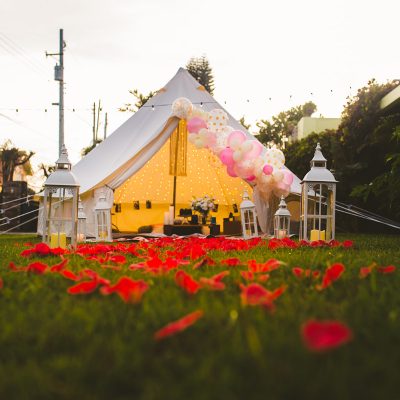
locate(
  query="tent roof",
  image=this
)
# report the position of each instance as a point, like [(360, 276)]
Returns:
[(128, 148)]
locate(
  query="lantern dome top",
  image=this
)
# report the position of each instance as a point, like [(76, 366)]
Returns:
[(246, 203), (62, 176), (318, 171), (102, 203), (283, 210)]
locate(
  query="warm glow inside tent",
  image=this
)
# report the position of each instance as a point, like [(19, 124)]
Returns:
[(205, 175)]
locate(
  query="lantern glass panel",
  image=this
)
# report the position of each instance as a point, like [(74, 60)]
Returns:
[(249, 223)]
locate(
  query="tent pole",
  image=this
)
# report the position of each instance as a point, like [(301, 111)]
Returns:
[(174, 195)]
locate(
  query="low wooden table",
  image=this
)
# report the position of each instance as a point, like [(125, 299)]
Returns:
[(184, 230)]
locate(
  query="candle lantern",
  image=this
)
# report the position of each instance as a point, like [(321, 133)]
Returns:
[(282, 221), (102, 220), (81, 236), (60, 204), (248, 217), (318, 198)]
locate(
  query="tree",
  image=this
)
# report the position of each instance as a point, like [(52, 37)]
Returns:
[(88, 149), (141, 100), (243, 122), (12, 157), (284, 124), (364, 153), (299, 154), (371, 147), (200, 69), (47, 169)]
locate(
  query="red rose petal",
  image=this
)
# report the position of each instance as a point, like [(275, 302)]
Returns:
[(320, 336), (178, 326)]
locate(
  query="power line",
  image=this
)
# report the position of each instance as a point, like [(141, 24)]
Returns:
[(11, 48)]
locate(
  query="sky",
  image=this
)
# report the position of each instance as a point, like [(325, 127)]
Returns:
[(266, 56)]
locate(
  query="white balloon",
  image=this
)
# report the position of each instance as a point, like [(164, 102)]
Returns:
[(237, 155), (182, 108), (217, 120)]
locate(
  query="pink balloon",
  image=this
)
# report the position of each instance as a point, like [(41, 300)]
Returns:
[(230, 171), (236, 136), (288, 177), (226, 156), (211, 140), (251, 178), (268, 169), (255, 150), (195, 124)]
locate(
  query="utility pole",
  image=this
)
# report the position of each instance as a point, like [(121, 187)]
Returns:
[(105, 126), (98, 118), (94, 123), (59, 76)]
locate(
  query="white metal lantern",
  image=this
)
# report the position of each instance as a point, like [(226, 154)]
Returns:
[(249, 217), (282, 221), (318, 198), (81, 236), (60, 204), (102, 220)]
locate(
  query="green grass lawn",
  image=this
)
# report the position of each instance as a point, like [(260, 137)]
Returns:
[(54, 345)]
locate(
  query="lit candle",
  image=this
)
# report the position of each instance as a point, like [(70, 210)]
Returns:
[(58, 240), (317, 235)]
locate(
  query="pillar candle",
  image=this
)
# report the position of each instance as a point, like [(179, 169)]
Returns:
[(166, 218), (171, 215), (58, 240), (281, 233), (317, 235)]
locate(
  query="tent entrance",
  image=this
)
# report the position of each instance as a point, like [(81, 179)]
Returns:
[(153, 183)]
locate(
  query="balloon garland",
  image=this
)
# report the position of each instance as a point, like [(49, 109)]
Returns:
[(243, 157)]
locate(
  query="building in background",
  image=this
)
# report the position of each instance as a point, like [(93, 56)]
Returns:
[(308, 125)]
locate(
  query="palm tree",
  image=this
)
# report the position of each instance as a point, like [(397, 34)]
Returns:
[(12, 157)]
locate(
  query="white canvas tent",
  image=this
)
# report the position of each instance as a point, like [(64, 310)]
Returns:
[(132, 163)]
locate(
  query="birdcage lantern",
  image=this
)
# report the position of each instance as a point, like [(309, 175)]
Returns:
[(102, 219), (60, 204), (318, 201), (248, 217), (282, 221), (81, 235)]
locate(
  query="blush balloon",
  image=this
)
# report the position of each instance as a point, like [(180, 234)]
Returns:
[(236, 138), (255, 150), (288, 177), (226, 156), (195, 124)]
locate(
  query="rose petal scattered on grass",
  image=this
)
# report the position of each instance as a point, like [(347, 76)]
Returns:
[(129, 290), (37, 268), (69, 275), (178, 326), (185, 281), (387, 270), (231, 262), (320, 336), (332, 274), (83, 287)]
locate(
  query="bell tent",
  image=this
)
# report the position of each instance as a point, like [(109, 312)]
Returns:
[(148, 163)]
